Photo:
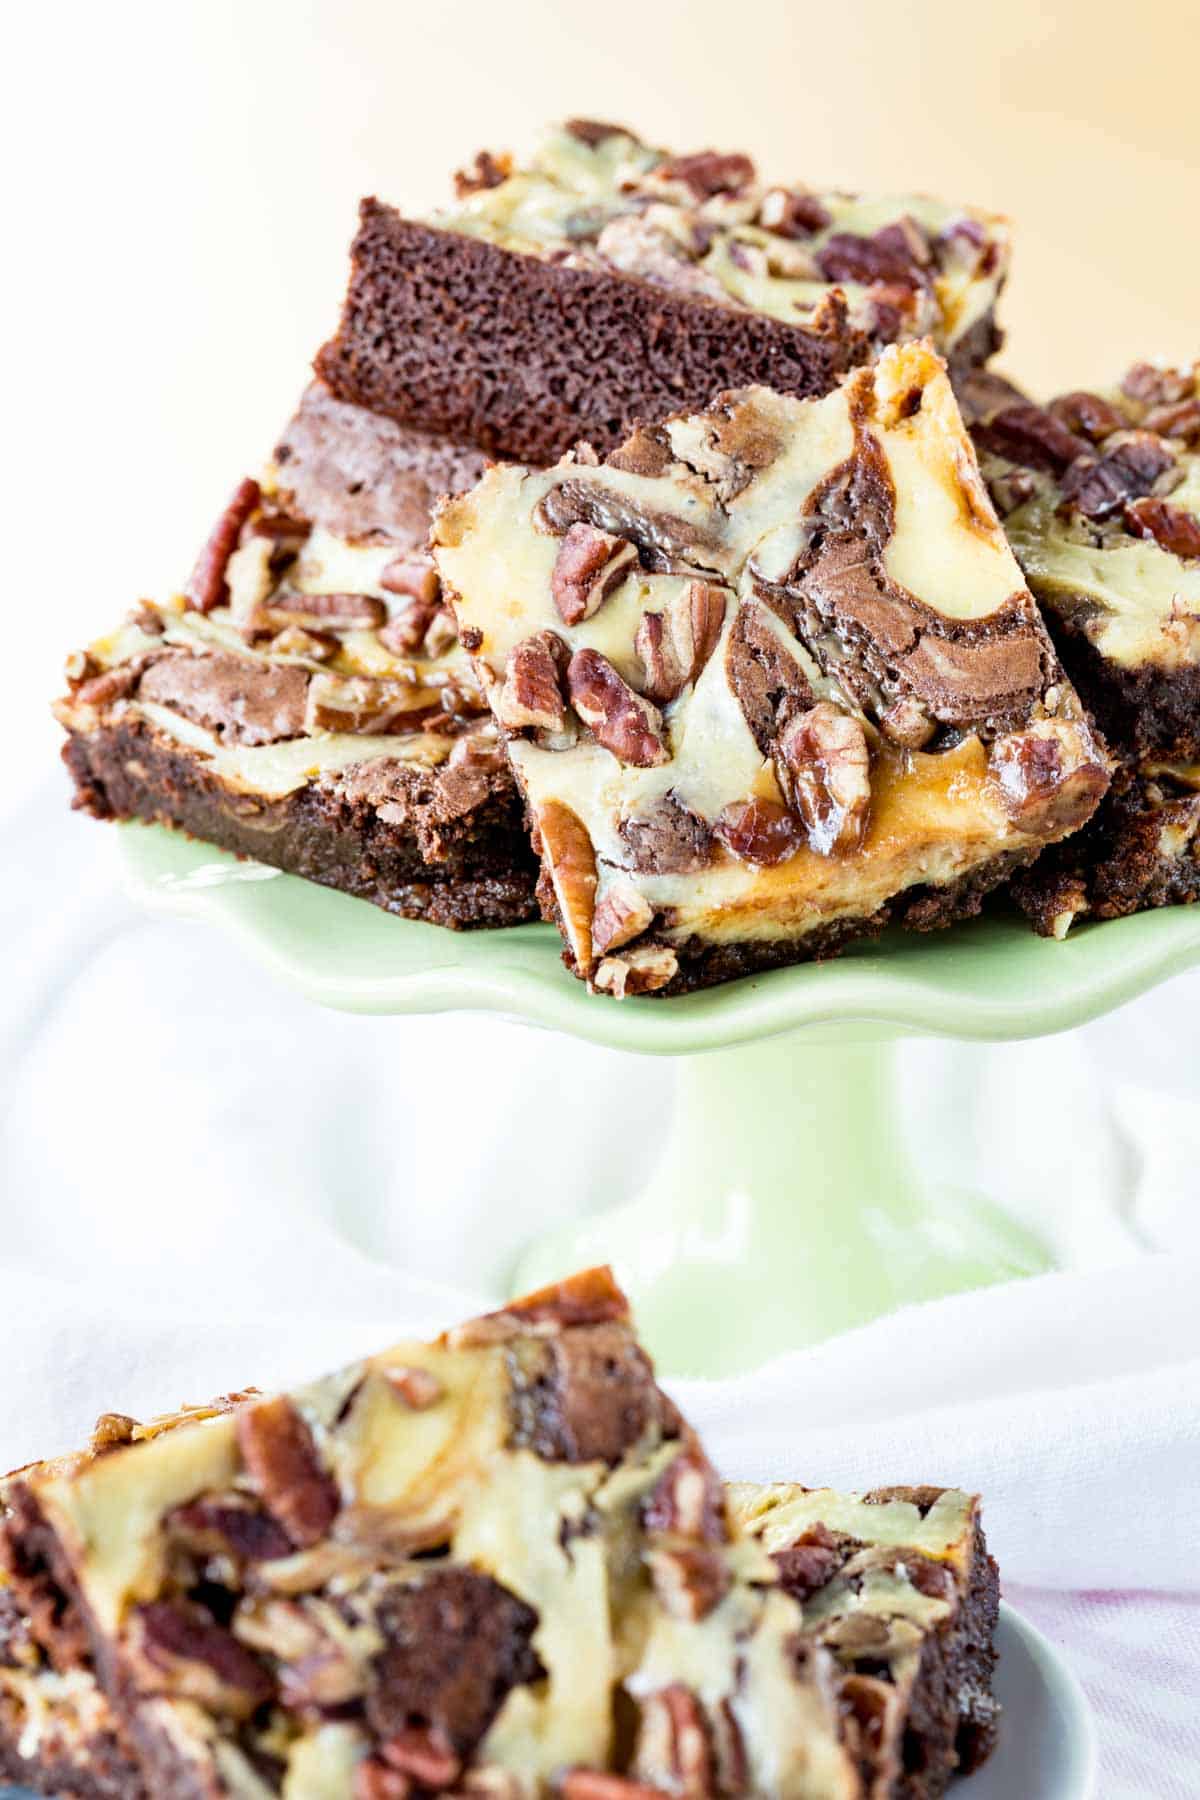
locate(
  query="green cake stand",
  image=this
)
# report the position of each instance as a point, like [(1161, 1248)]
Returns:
[(785, 1205)]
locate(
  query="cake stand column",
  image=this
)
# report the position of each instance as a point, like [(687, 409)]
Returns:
[(785, 1207)]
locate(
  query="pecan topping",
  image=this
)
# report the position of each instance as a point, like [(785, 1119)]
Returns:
[(691, 1580), (589, 565), (1098, 489), (113, 685), (827, 762), (1031, 436), (667, 839), (644, 969), (357, 703), (1047, 781), (572, 865), (531, 695), (674, 1746), (593, 1784), (313, 646), (792, 214), (619, 719), (589, 1298), (593, 131), (762, 832), (282, 528), (687, 1500), (1088, 413), (206, 584), (487, 171), (897, 255), (1176, 529), (905, 722), (418, 1388), (414, 576), (809, 1563), (226, 1524), (676, 643), (404, 633), (282, 1461), (179, 1649), (424, 1753), (622, 914), (325, 612), (708, 172), (1156, 387), (1179, 420)]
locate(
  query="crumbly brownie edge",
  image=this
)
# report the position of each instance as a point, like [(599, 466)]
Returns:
[(484, 877), (923, 908), (102, 1771), (1143, 711), (950, 1727), (524, 357)]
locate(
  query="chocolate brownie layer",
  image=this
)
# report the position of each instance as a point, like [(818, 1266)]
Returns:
[(1100, 497), (306, 701), (900, 1598), (770, 678), (609, 282), (1141, 851)]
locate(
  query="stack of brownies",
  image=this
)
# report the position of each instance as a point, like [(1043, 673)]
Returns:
[(499, 1565), (631, 559)]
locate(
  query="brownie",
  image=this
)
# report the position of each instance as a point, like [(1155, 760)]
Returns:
[(899, 1599), (770, 678), (609, 282), (1140, 851), (1100, 497), (305, 700)]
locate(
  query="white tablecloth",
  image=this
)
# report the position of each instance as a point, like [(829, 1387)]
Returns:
[(207, 1183)]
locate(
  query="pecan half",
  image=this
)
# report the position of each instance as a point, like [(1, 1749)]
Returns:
[(790, 213), (414, 576), (1176, 529), (618, 718), (708, 172), (676, 643), (896, 255), (758, 831), (1131, 468), (325, 612), (1179, 420), (691, 1580), (809, 1563), (571, 861), (180, 1650), (1050, 781), (674, 1746), (205, 587), (687, 1500), (827, 764), (622, 914), (589, 565), (667, 838), (589, 1298), (282, 1461), (1032, 436), (643, 969), (229, 1525), (1087, 413), (404, 633), (531, 696), (1156, 387)]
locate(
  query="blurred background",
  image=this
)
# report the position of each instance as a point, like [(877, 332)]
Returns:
[(182, 182)]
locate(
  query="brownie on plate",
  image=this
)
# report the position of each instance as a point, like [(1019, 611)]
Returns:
[(608, 283), (770, 677), (305, 701)]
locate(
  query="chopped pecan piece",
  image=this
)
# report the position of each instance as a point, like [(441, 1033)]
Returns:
[(1047, 782), (531, 696), (1081, 411), (907, 723), (1156, 387), (594, 1784), (896, 255), (643, 969), (809, 1563), (593, 131), (312, 646), (487, 171), (113, 685), (286, 530), (687, 1500), (691, 1580), (676, 643), (622, 914), (1179, 420), (180, 1650), (414, 576), (424, 1753), (228, 1524), (357, 703), (1131, 468), (325, 612), (759, 831), (667, 838), (708, 172), (619, 719), (674, 1746), (589, 565), (418, 1388), (589, 1298), (791, 213), (1031, 436), (282, 1461), (206, 584), (572, 864), (1176, 529), (827, 761)]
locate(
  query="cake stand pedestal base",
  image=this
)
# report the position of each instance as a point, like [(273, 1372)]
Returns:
[(785, 1207)]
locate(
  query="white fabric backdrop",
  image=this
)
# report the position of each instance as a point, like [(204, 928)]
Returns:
[(208, 1183)]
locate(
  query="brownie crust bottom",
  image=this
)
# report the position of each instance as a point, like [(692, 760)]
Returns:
[(524, 357), (1143, 711), (472, 870), (952, 1715), (924, 908)]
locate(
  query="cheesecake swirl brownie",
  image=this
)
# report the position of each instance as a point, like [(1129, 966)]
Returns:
[(899, 1599), (305, 701), (770, 678), (608, 283), (1100, 497)]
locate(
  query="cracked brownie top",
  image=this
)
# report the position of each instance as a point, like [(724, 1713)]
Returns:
[(704, 224), (765, 668)]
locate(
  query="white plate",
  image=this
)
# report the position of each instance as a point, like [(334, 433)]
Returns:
[(1047, 1746)]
